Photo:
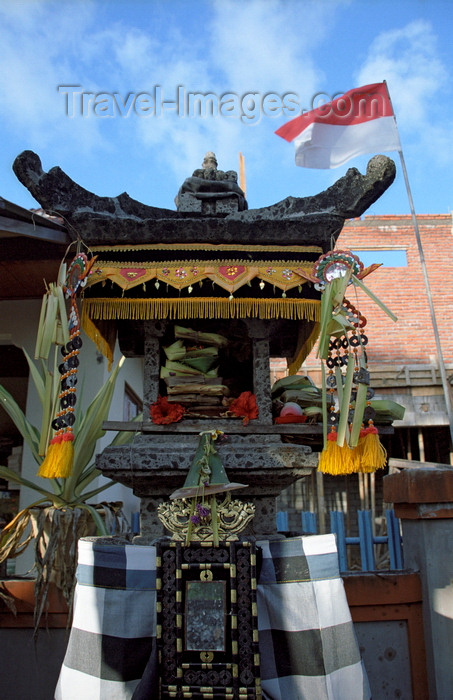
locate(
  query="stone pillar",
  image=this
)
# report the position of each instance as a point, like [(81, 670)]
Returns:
[(423, 499), (259, 335), (154, 330)]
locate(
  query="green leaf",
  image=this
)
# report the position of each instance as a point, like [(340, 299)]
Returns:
[(50, 321), (326, 315), (124, 437), (344, 406), (339, 379), (102, 530), (88, 429), (372, 296), (324, 404), (47, 415), (63, 313), (88, 475), (10, 475), (26, 429), (39, 378), (359, 409), (339, 285), (387, 410), (42, 317), (90, 494)]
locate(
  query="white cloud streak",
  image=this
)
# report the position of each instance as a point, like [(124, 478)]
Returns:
[(409, 59), (247, 47), (242, 47), (39, 43)]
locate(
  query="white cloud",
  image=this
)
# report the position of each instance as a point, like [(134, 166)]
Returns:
[(245, 47), (409, 59), (249, 47), (38, 43)]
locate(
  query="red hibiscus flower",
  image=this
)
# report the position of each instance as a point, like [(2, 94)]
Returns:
[(163, 412), (245, 406)]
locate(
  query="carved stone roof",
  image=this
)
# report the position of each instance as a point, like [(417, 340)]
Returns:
[(313, 220)]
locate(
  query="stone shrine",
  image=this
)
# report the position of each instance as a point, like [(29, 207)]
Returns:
[(212, 267)]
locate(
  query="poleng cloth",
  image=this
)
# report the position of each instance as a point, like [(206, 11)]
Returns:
[(307, 642)]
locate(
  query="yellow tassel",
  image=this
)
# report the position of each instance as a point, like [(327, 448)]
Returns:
[(47, 466), (374, 454), (357, 452), (336, 460), (59, 460), (356, 457)]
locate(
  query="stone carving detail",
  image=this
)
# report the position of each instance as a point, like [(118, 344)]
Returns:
[(233, 517), (206, 186)]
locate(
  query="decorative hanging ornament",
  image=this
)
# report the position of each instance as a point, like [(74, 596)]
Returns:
[(349, 446), (335, 264), (206, 480), (59, 459)]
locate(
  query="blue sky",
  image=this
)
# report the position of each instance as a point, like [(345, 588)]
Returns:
[(303, 47)]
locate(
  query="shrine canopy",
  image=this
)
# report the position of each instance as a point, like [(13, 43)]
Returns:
[(212, 258)]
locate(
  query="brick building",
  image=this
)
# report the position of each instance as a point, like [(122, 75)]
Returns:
[(402, 356)]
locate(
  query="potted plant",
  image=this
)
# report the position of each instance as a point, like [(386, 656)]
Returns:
[(61, 514)]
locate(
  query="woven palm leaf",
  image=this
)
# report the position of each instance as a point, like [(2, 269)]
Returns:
[(200, 337)]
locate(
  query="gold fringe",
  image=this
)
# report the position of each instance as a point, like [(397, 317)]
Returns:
[(214, 247), (334, 460), (303, 350), (47, 466), (198, 307), (97, 338), (337, 461), (105, 265)]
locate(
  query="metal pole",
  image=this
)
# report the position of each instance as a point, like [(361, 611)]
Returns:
[(443, 374)]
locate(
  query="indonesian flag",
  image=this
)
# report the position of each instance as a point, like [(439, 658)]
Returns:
[(360, 121)]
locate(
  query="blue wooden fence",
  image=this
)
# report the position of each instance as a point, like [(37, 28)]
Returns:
[(366, 540)]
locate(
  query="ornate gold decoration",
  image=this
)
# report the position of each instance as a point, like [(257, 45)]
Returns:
[(206, 575), (232, 517), (180, 274)]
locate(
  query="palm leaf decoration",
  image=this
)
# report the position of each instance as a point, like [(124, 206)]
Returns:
[(64, 501)]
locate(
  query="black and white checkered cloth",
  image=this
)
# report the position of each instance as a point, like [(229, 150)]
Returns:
[(307, 643)]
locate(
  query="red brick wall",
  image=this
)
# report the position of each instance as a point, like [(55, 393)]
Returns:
[(411, 340)]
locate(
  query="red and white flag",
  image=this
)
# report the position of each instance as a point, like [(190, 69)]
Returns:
[(360, 121)]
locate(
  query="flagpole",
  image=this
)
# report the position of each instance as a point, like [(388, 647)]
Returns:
[(242, 184), (443, 373)]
